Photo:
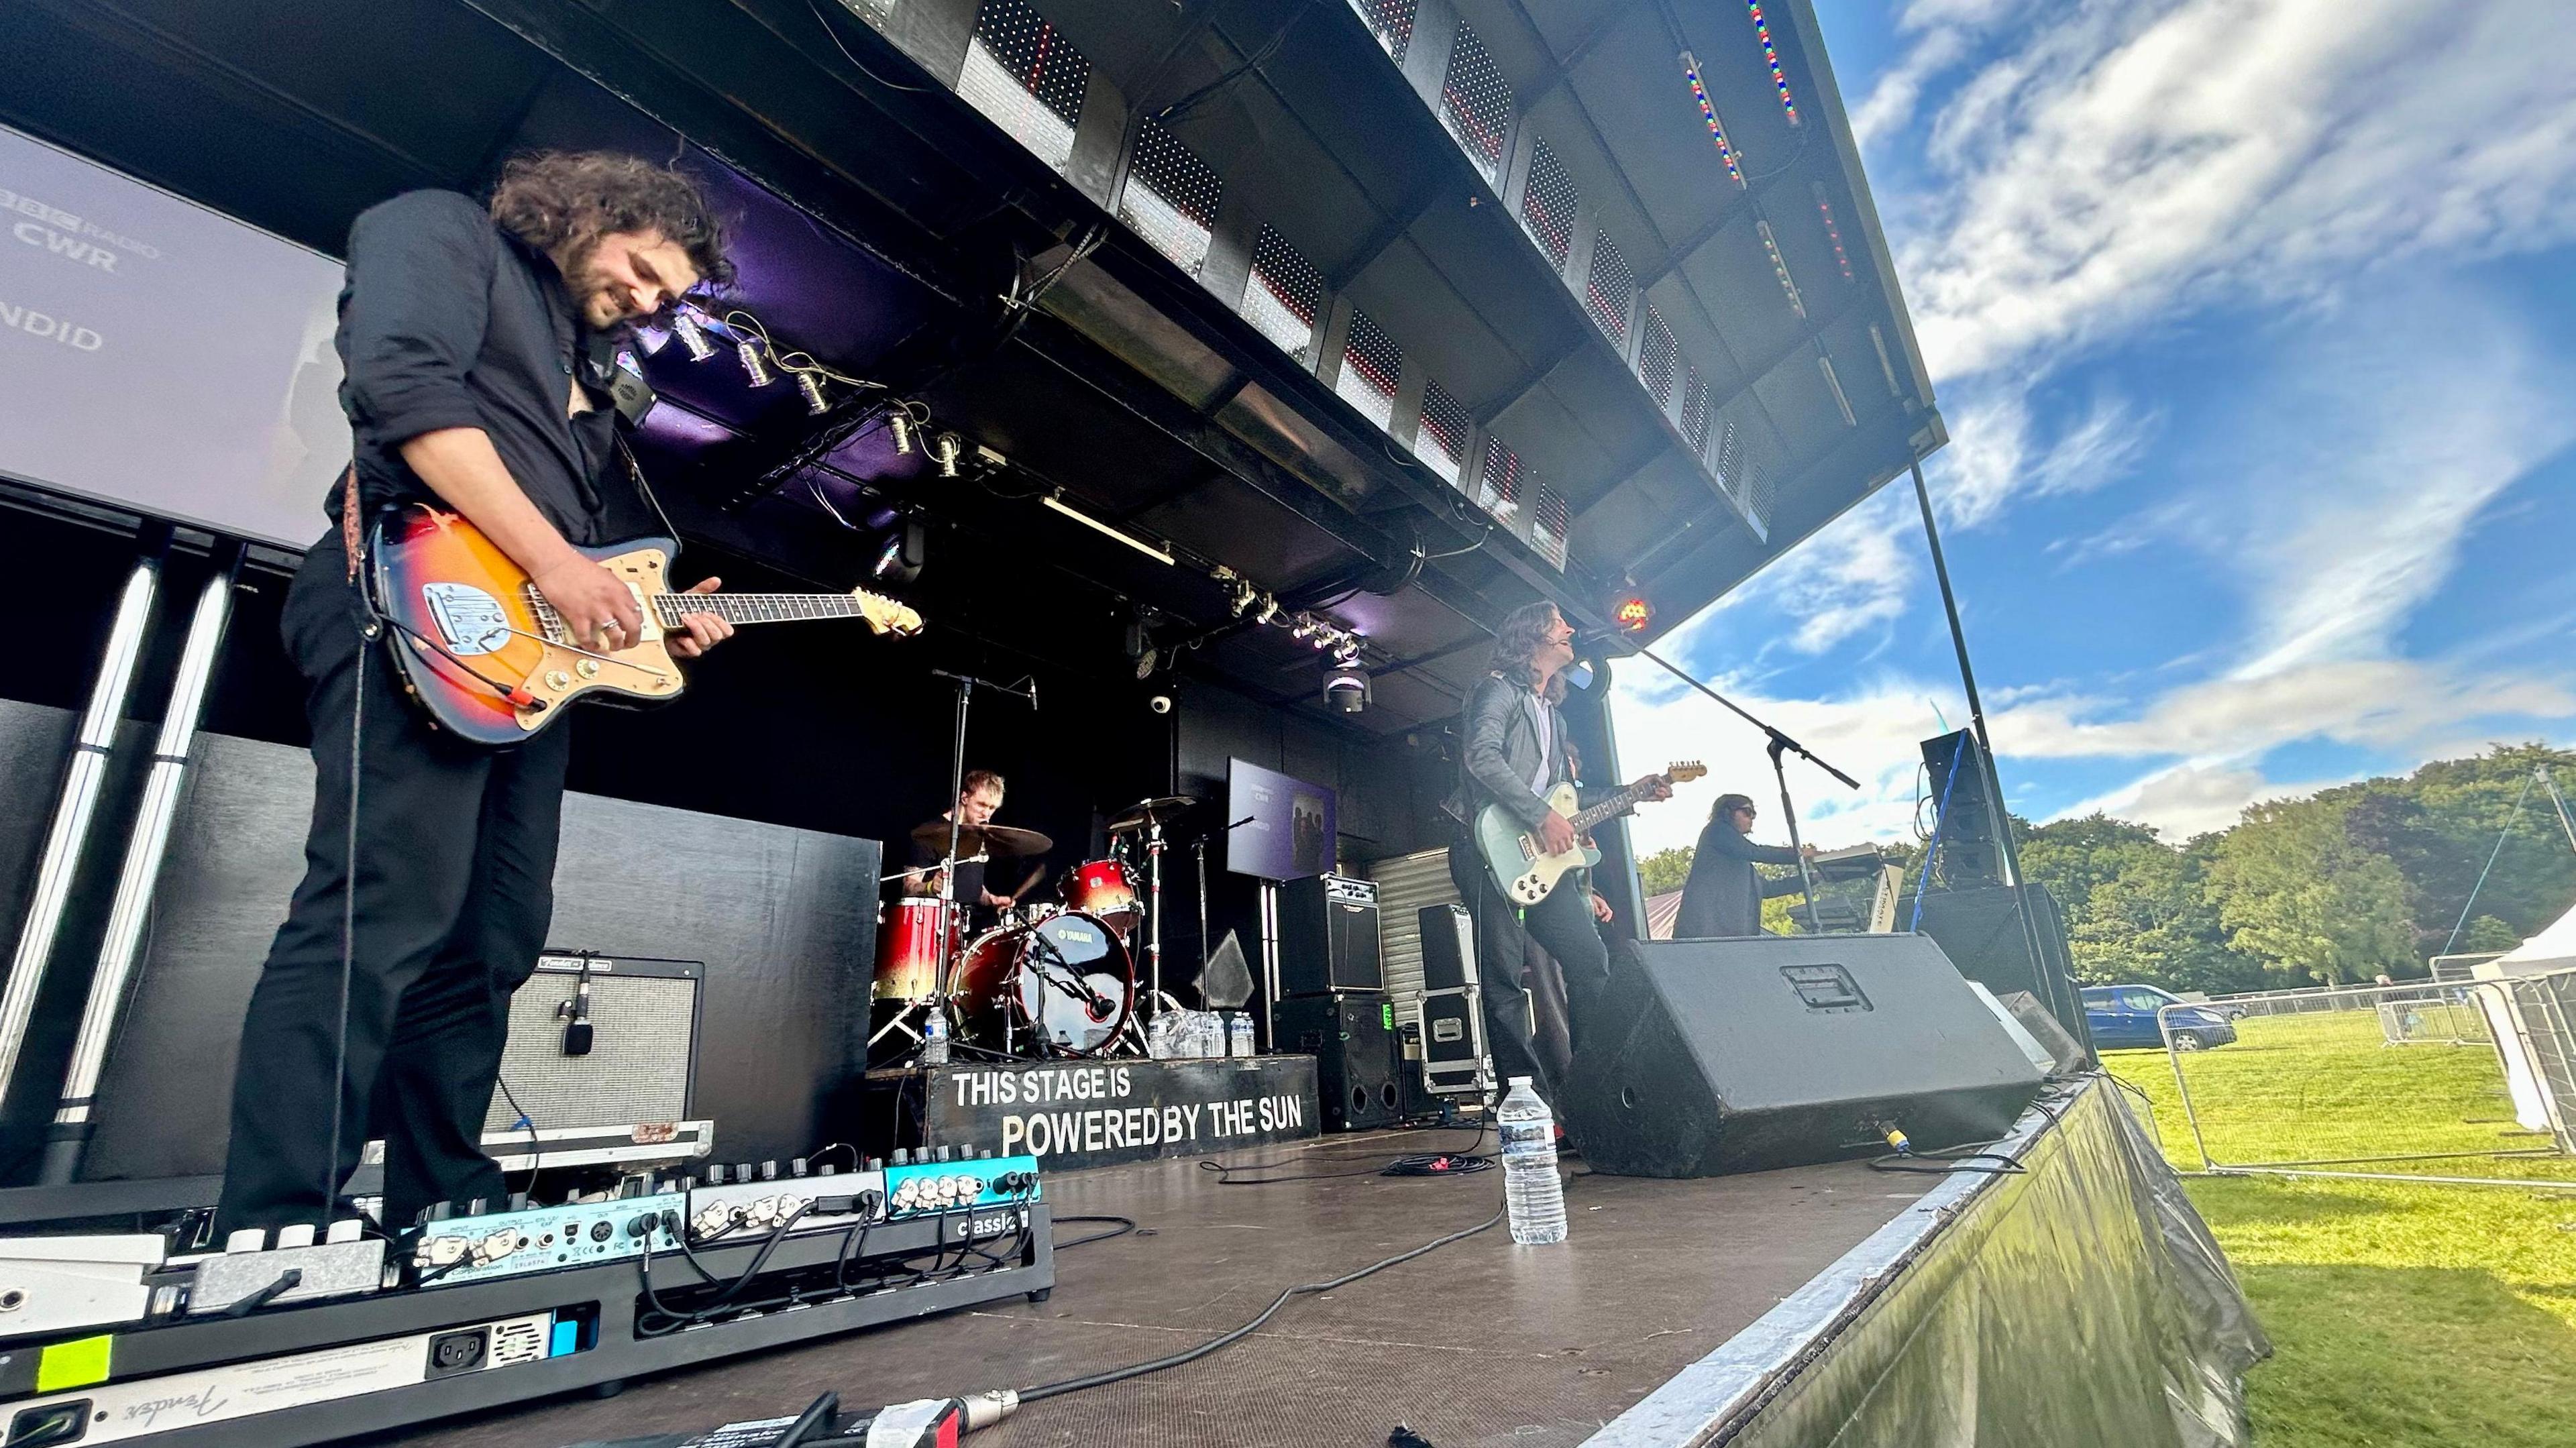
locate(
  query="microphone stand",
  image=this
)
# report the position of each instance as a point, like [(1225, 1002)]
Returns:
[(949, 922), (1780, 747)]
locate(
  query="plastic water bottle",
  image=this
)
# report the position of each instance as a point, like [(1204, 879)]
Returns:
[(1238, 1033), (934, 1039), (1158, 1035), (1207, 1037), (1531, 1187)]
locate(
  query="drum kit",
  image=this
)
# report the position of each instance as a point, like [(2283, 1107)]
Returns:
[(1049, 979)]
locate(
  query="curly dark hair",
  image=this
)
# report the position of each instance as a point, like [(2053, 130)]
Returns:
[(554, 200), (1518, 637)]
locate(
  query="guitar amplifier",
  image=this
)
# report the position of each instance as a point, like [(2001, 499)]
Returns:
[(1328, 936), (600, 1041)]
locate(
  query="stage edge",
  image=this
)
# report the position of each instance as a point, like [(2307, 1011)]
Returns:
[(2079, 1300)]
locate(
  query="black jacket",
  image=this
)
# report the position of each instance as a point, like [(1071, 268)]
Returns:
[(448, 321), (1500, 752), (1724, 895)]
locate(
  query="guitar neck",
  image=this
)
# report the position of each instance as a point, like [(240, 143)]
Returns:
[(754, 607), (1616, 804)]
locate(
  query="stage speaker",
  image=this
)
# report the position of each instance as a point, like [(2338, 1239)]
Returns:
[(1328, 936), (1711, 1056), (1971, 854), (600, 1041), (1981, 932), (1352, 1038)]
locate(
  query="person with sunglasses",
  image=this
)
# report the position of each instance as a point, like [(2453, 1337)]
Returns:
[(1724, 893)]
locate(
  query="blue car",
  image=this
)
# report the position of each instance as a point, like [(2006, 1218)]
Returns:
[(2123, 1017)]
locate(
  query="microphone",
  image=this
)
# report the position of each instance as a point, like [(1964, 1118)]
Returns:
[(575, 1014)]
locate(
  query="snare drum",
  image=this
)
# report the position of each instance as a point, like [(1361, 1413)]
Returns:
[(1102, 888), (910, 943)]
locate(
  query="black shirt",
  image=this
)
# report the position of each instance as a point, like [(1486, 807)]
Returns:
[(448, 321), (970, 877)]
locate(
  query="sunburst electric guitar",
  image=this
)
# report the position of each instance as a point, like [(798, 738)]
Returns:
[(485, 654), (1522, 866)]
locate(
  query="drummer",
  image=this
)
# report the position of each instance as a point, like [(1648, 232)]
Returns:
[(976, 804)]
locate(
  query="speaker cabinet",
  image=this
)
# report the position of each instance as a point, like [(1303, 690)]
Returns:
[(636, 1062), (1705, 1057), (1328, 936), (1352, 1038), (1982, 934)]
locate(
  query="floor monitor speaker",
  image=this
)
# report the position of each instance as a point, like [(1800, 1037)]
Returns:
[(1353, 1041), (1711, 1056)]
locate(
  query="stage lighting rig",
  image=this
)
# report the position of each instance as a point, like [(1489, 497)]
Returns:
[(816, 404), (692, 335), (899, 424), (943, 453), (753, 366)]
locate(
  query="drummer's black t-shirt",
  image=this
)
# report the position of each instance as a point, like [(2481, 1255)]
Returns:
[(970, 878)]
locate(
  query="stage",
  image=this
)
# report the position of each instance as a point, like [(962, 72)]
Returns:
[(1722, 1309)]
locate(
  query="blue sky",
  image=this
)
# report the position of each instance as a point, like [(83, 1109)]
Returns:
[(2254, 324)]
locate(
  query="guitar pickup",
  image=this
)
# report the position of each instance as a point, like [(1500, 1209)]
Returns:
[(1529, 848)]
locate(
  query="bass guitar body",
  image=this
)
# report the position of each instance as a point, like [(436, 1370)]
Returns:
[(479, 647), (1521, 865)]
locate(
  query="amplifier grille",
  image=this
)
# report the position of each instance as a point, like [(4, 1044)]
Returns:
[(642, 1046)]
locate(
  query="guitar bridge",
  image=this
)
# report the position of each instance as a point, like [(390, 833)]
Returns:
[(548, 621)]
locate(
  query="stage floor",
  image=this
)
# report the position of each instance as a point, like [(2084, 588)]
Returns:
[(1481, 1342)]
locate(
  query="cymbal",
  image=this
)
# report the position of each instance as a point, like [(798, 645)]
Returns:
[(983, 839), (1136, 816)]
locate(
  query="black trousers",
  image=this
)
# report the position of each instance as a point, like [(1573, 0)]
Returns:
[(1562, 926), (454, 889)]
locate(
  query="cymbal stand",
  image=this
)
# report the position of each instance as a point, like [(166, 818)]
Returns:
[(1154, 905), (1198, 847)]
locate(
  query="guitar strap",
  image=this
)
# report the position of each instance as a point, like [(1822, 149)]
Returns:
[(350, 539)]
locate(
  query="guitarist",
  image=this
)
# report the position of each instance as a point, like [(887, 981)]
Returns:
[(1515, 751), (477, 345)]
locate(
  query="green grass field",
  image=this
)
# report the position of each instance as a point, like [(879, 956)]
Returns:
[(2401, 1316)]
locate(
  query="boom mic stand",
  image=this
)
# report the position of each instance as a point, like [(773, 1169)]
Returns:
[(1781, 746), (966, 686)]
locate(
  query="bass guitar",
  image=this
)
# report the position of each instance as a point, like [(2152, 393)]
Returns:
[(1522, 866), (486, 655)]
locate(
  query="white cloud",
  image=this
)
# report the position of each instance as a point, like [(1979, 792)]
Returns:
[(2110, 170), (2126, 162), (2192, 799)]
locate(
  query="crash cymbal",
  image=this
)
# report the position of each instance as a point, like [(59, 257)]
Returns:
[(983, 839), (1136, 816)]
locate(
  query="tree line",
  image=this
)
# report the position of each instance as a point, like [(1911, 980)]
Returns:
[(2353, 882)]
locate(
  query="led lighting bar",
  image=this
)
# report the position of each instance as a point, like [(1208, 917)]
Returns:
[(1097, 526), (1708, 113), (1771, 56), (1834, 385), (1780, 269), (1825, 209)]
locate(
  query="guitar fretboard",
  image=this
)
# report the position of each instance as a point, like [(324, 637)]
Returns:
[(754, 607), (1614, 805)]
